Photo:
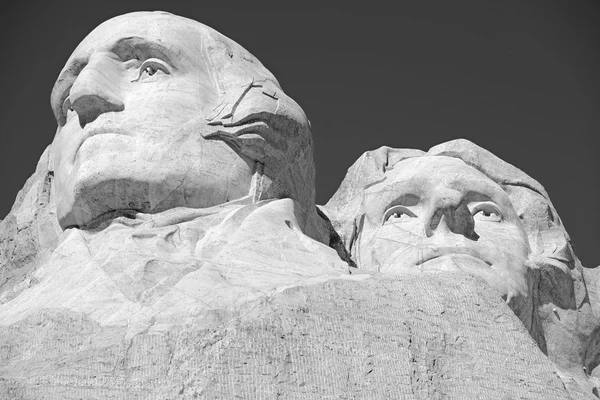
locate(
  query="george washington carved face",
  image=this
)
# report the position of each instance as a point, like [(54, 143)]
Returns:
[(157, 111), (121, 103)]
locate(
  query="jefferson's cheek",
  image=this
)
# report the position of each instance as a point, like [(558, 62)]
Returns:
[(392, 243), (399, 235), (503, 242)]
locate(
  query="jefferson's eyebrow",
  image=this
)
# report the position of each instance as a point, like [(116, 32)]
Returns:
[(379, 200), (401, 192)]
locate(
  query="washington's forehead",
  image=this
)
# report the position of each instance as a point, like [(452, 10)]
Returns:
[(166, 29)]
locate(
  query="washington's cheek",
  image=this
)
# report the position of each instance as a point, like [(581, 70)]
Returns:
[(196, 169), (190, 99), (64, 148), (162, 107), (157, 107)]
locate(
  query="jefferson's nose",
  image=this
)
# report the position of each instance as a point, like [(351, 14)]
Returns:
[(449, 213), (96, 90)]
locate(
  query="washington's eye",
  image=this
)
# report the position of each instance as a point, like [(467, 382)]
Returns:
[(398, 214), (152, 67), (150, 70), (486, 212)]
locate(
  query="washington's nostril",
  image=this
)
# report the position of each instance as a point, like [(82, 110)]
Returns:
[(90, 107), (96, 90)]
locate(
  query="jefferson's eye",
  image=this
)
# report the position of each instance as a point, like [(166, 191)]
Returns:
[(486, 212), (398, 214)]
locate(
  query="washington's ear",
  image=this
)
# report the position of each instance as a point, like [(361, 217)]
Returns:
[(225, 113), (259, 121), (247, 140)]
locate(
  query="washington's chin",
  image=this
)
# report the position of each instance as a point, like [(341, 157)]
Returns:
[(102, 189)]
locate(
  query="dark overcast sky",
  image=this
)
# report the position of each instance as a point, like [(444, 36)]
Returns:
[(519, 78)]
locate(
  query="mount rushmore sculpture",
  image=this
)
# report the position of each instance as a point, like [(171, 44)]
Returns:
[(168, 246)]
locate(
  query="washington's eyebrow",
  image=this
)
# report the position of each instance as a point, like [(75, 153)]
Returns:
[(135, 46)]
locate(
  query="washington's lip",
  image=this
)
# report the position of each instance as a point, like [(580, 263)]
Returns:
[(435, 252), (95, 131)]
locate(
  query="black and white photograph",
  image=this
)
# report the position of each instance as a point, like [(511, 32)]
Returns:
[(273, 200)]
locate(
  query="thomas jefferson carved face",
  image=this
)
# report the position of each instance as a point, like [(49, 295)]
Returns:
[(438, 213), (124, 103)]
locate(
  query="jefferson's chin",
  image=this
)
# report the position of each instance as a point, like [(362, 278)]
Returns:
[(446, 263), (498, 277), (453, 262), (509, 282)]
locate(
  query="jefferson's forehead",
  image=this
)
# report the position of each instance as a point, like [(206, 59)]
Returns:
[(434, 169), (421, 176)]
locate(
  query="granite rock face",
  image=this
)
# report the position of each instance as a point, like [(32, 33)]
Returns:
[(168, 246), (438, 336), (29, 233)]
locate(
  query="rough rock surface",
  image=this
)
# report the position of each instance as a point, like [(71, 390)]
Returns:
[(158, 269), (29, 233), (442, 336)]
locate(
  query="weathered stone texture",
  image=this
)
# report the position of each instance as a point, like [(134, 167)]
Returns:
[(442, 336), (29, 233)]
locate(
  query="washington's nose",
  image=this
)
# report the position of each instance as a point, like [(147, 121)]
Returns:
[(96, 90), (449, 213)]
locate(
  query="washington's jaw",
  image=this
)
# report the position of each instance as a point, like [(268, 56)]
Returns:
[(436, 252)]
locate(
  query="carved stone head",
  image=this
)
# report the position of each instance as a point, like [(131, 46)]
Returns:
[(456, 207), (438, 213), (156, 111)]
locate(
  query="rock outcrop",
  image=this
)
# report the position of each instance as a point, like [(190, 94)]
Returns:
[(438, 336)]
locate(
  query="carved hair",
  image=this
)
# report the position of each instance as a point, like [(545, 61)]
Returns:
[(259, 121)]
